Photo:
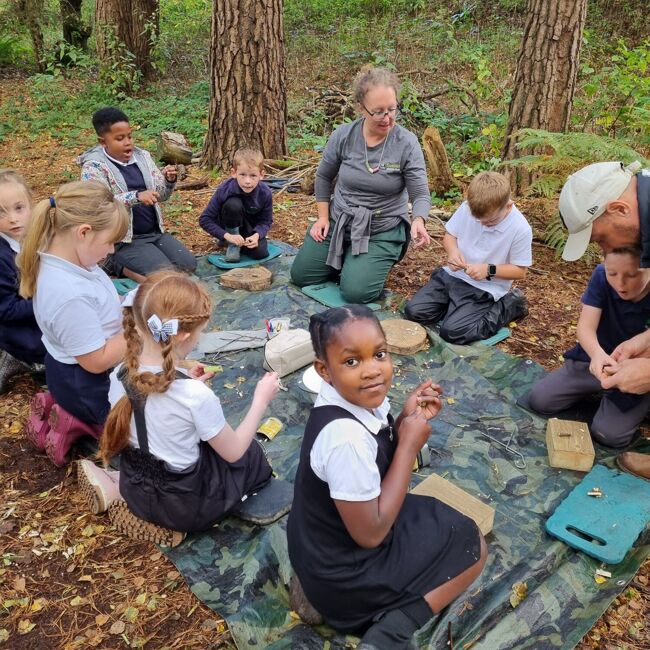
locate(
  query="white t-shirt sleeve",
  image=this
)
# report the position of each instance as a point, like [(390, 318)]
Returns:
[(207, 413), (344, 456), (521, 251), (76, 327), (455, 224)]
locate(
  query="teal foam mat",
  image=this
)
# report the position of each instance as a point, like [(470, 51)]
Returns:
[(329, 294), (219, 259), (603, 527), (501, 335), (124, 285)]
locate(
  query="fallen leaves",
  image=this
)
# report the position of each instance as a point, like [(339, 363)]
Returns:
[(519, 593)]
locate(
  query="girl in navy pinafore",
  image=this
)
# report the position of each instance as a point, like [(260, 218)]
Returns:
[(369, 556)]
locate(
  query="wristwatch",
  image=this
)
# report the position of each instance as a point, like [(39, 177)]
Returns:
[(492, 271)]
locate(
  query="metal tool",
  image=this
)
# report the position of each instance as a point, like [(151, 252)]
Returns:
[(520, 461)]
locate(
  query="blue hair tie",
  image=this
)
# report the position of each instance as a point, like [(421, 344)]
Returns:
[(52, 202)]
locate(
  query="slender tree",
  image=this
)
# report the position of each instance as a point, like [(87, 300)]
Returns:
[(75, 31), (29, 12), (248, 101), (547, 68), (127, 24)]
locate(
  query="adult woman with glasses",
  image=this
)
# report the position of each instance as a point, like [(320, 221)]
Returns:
[(363, 225)]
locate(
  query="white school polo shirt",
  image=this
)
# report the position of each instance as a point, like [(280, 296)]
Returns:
[(344, 453), (77, 309), (177, 420), (509, 242)]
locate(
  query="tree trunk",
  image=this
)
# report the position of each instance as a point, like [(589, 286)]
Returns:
[(74, 30), (130, 24), (29, 12), (248, 102), (547, 68)]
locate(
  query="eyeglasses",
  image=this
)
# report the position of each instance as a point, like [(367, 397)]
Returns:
[(379, 115)]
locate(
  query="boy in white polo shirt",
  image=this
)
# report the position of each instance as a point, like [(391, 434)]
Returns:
[(489, 244)]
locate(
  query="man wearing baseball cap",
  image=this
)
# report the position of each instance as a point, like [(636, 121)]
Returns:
[(609, 204)]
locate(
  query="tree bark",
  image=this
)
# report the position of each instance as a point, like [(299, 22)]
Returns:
[(134, 24), (547, 68), (74, 30), (29, 12), (248, 102)]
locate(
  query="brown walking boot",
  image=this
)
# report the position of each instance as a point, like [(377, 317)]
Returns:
[(635, 463)]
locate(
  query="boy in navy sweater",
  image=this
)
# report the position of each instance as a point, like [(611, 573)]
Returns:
[(241, 210)]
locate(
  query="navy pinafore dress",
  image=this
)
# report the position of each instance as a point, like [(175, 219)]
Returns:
[(429, 543)]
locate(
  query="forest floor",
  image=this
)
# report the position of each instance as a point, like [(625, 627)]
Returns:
[(68, 580)]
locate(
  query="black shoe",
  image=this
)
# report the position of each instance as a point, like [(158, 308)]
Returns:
[(515, 305)]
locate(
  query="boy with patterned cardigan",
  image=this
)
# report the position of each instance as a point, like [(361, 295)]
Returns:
[(136, 181)]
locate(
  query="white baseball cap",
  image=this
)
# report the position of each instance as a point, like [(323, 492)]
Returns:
[(584, 198)]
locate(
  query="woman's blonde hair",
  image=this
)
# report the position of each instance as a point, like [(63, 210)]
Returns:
[(369, 77), (75, 204), (168, 295), (12, 176)]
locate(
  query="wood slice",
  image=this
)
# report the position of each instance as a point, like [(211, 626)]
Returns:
[(256, 278), (404, 336), (174, 149)]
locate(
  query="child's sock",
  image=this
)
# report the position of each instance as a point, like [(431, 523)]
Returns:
[(395, 629), (233, 253)]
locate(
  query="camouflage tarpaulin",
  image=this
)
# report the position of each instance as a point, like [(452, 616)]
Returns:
[(242, 571)]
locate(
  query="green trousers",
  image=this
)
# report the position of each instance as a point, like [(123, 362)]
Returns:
[(363, 276)]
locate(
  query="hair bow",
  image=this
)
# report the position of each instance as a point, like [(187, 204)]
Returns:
[(162, 331)]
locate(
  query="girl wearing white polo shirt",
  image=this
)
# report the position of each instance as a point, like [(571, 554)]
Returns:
[(75, 305), (371, 558), (182, 466)]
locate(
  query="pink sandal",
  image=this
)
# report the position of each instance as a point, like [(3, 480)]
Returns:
[(65, 429), (38, 425)]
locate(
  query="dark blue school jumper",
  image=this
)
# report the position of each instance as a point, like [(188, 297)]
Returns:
[(20, 335)]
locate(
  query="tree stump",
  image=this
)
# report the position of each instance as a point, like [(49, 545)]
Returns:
[(174, 149), (256, 278), (441, 179), (404, 336)]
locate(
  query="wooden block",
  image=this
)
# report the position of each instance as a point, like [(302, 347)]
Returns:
[(569, 445), (255, 278), (404, 336), (458, 499)]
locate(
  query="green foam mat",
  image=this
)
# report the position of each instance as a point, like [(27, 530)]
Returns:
[(329, 294), (501, 335), (124, 285), (219, 259)]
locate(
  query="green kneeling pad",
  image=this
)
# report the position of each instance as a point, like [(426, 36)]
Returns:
[(329, 294), (501, 335), (604, 527), (267, 505), (124, 285), (219, 259)]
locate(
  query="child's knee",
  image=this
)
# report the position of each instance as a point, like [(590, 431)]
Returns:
[(607, 433), (416, 311), (538, 401)]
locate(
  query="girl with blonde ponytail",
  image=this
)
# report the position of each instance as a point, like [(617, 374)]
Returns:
[(76, 306), (182, 467)]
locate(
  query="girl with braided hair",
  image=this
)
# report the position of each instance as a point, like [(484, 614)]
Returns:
[(182, 467)]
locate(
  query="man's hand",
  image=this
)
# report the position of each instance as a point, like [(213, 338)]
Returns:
[(629, 376)]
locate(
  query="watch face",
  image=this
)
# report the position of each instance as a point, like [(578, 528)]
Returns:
[(492, 269)]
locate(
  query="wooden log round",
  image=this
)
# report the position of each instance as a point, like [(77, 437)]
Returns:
[(404, 336), (256, 278)]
